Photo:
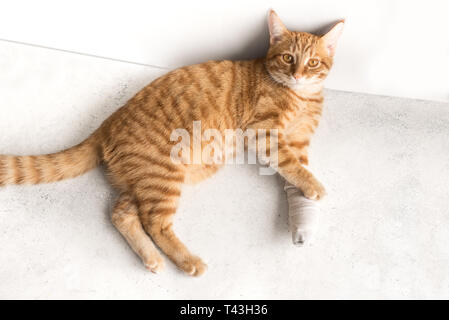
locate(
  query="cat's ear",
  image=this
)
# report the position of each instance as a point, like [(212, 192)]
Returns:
[(276, 27), (330, 39)]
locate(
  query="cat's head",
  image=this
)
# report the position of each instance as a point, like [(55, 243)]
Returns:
[(298, 59)]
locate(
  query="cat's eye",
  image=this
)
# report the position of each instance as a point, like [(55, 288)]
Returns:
[(313, 63), (288, 58)]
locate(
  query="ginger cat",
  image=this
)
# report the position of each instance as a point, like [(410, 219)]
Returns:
[(281, 91)]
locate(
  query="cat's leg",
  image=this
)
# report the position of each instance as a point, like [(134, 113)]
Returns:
[(125, 218), (302, 212), (300, 149), (287, 163), (302, 215), (156, 217), (291, 168)]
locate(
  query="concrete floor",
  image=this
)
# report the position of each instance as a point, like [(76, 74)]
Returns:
[(383, 228)]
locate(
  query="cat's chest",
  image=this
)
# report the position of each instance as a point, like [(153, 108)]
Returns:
[(303, 118)]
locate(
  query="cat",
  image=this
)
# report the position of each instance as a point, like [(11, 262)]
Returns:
[(282, 91)]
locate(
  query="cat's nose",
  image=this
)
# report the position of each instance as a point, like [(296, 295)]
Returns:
[(296, 76)]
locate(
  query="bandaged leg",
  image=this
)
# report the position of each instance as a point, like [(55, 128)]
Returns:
[(303, 215)]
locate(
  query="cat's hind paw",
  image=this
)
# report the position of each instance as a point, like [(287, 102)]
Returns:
[(193, 266), (155, 264)]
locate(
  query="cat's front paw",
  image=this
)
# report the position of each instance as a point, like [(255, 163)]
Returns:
[(313, 189), (193, 266)]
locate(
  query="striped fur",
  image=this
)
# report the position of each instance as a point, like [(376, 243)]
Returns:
[(134, 143), (50, 167)]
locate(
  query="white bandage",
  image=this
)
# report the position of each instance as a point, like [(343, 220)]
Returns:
[(303, 215)]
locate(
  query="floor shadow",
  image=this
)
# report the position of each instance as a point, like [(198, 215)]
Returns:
[(280, 214), (280, 227), (256, 46)]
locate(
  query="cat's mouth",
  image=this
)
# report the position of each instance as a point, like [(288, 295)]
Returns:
[(294, 83), (303, 81)]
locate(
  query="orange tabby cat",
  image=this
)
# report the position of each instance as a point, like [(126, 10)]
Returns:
[(281, 91)]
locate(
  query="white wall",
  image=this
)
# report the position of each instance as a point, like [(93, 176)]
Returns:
[(390, 47)]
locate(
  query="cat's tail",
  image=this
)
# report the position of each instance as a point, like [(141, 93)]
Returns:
[(50, 167)]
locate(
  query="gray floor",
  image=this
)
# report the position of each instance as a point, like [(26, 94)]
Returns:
[(383, 228)]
